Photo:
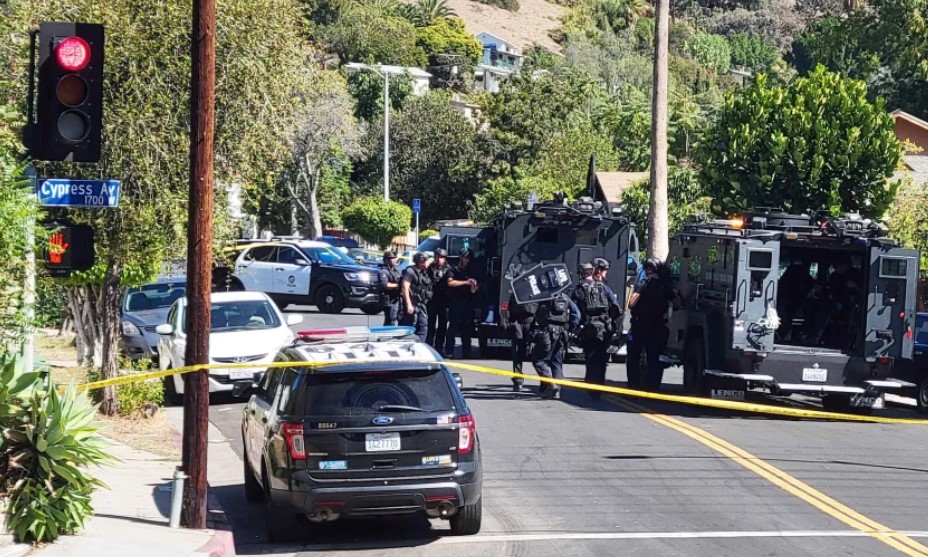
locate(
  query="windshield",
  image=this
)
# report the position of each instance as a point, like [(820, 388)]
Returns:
[(153, 296), (369, 392), (429, 244), (240, 315), (328, 256)]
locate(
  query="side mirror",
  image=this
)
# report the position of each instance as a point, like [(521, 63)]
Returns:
[(165, 329), (294, 319), (302, 262), (244, 389), (458, 381)]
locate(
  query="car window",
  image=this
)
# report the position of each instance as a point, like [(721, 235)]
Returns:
[(270, 383), (261, 253), (328, 256), (172, 315), (355, 393), (153, 296), (288, 255), (429, 244), (242, 315)]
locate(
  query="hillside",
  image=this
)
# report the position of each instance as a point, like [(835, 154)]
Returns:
[(533, 22)]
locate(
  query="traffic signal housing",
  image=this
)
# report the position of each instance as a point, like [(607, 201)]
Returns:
[(69, 248), (69, 104)]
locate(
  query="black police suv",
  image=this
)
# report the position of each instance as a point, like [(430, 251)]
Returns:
[(382, 429)]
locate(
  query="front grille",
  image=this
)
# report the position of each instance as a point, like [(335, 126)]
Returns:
[(239, 359)]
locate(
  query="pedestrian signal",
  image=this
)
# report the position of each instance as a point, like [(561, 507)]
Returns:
[(69, 248)]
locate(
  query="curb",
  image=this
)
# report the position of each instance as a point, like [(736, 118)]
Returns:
[(17, 550), (221, 544)]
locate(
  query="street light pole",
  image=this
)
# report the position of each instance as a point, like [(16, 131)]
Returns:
[(386, 137)]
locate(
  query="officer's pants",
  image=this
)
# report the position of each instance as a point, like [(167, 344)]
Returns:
[(549, 360), (438, 324), (391, 313), (461, 325), (596, 357), (419, 319), (652, 376), (519, 347)]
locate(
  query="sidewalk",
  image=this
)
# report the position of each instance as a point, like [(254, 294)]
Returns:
[(131, 517)]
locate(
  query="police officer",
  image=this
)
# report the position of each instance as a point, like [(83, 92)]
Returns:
[(585, 272), (416, 287), (600, 311), (553, 320), (518, 320), (461, 289), (648, 335), (438, 307), (390, 289)]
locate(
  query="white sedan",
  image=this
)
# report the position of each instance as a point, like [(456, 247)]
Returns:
[(247, 327)]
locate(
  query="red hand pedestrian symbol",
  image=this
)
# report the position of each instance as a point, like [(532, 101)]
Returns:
[(57, 247)]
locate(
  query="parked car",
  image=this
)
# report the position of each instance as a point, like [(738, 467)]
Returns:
[(382, 430), (143, 309), (343, 244), (915, 371), (246, 327), (307, 272)]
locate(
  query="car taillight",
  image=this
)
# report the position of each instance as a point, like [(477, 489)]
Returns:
[(466, 433), (293, 436)]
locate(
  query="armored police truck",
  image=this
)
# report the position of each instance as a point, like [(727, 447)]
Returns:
[(784, 304), (525, 235)]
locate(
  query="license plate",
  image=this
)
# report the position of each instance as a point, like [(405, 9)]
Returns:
[(815, 374), (376, 442), (240, 374), (499, 342)]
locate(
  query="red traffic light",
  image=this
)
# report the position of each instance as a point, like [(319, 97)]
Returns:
[(57, 247), (73, 54)]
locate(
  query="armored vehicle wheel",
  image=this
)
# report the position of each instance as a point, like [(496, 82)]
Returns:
[(694, 368), (922, 396)]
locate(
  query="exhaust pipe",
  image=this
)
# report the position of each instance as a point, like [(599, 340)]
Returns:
[(325, 514), (446, 509)]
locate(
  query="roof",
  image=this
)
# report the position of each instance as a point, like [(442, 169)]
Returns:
[(487, 34), (612, 184), (908, 117), (395, 70), (917, 169), (240, 296), (368, 354)]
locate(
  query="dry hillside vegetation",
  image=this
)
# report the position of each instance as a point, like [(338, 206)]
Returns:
[(533, 23)]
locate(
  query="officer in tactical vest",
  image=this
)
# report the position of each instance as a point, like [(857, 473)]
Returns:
[(416, 287), (552, 323), (517, 321), (462, 287), (438, 307), (600, 316), (390, 289), (649, 332)]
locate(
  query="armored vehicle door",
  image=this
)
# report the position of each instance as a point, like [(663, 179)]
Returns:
[(891, 302), (757, 271)]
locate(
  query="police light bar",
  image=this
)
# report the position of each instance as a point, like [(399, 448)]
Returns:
[(356, 334)]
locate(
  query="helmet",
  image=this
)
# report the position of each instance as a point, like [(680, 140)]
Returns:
[(441, 252), (652, 263), (586, 268), (600, 263), (389, 254), (419, 258)]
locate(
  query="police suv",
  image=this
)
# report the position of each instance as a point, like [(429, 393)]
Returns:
[(785, 304), (525, 236), (360, 422), (306, 272)]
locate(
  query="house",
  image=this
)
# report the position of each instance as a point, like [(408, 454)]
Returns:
[(914, 131), (469, 110), (500, 53), (420, 78), (610, 185), (489, 78)]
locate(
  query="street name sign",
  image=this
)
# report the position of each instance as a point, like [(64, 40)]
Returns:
[(65, 192)]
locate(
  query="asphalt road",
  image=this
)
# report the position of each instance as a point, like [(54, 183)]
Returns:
[(646, 478)]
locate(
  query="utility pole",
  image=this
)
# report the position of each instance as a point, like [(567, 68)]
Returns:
[(199, 259), (386, 136), (658, 227)]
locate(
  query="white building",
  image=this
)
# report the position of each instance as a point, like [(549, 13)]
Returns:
[(420, 78), (499, 52)]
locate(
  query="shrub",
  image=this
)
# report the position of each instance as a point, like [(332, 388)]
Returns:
[(377, 221), (142, 398), (426, 233), (711, 51)]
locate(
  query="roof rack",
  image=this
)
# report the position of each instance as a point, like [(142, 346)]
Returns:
[(766, 220)]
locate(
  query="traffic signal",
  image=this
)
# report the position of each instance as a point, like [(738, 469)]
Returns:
[(69, 106), (69, 248)]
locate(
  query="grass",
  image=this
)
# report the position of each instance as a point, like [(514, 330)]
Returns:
[(56, 348)]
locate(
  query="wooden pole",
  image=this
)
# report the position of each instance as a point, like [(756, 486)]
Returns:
[(658, 225), (199, 259)]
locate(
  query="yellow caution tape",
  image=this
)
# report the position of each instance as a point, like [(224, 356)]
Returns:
[(680, 399)]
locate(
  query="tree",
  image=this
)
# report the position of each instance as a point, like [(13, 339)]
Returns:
[(658, 233), (907, 219), (370, 34), (377, 221), (146, 97), (367, 89), (447, 35), (686, 197), (814, 144), (562, 164), (327, 134), (752, 52), (712, 51), (425, 13), (434, 156)]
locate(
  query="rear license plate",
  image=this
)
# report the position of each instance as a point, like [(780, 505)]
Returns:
[(815, 374), (375, 442), (240, 374), (499, 342)]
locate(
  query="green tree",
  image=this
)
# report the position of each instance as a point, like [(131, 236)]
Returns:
[(425, 13), (712, 51), (814, 144), (685, 197), (367, 89), (146, 95), (563, 162), (907, 219), (447, 35), (371, 34), (377, 221), (753, 52)]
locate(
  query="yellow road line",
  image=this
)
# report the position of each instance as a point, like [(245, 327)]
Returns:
[(786, 482)]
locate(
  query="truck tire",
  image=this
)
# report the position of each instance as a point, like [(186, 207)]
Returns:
[(329, 299), (372, 309), (280, 523), (921, 395), (467, 521), (694, 367), (280, 301)]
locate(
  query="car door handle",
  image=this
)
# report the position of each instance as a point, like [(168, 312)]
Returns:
[(279, 269)]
